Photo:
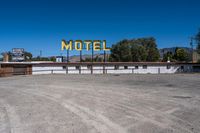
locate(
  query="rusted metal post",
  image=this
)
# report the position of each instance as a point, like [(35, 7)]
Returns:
[(68, 55), (104, 56), (80, 69), (91, 69), (92, 53), (81, 56), (66, 69)]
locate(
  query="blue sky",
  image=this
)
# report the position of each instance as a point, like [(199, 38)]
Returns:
[(41, 24)]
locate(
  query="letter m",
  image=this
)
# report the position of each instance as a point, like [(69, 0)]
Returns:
[(65, 45)]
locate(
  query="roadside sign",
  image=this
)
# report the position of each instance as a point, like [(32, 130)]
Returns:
[(18, 54)]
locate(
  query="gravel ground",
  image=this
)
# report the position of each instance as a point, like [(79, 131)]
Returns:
[(100, 104)]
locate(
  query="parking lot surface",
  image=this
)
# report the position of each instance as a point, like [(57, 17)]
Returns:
[(100, 104)]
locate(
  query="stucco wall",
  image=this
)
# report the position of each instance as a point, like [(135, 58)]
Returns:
[(108, 69)]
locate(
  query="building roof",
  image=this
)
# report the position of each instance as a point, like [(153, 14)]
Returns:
[(97, 63), (117, 63)]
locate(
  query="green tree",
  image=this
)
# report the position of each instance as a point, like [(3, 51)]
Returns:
[(115, 56), (142, 49), (53, 58), (167, 56), (138, 53), (121, 51), (9, 56), (88, 59), (151, 48), (38, 58), (98, 59), (181, 55), (28, 56), (198, 41)]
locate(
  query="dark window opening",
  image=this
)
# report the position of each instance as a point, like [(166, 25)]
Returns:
[(77, 67), (136, 67), (125, 67), (89, 66), (64, 67), (168, 66), (182, 67), (144, 66), (116, 67)]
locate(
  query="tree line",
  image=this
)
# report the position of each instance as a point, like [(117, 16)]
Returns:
[(136, 50), (197, 39), (180, 55), (145, 49)]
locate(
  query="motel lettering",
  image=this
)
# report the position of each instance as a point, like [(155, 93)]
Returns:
[(79, 45)]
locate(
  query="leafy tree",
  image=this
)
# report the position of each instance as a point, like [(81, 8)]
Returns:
[(115, 56), (52, 59), (142, 49), (181, 55), (138, 53), (88, 59), (121, 51), (167, 56), (9, 56), (125, 52), (28, 56), (151, 48), (198, 41), (38, 58), (198, 48), (98, 59), (153, 54), (149, 44)]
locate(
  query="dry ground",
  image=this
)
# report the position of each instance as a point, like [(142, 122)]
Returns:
[(100, 104)]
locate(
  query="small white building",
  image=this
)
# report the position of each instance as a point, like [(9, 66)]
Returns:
[(59, 58), (28, 68), (115, 68)]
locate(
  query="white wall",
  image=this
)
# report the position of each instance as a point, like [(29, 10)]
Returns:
[(108, 69), (46, 70)]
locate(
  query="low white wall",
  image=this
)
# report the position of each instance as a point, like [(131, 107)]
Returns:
[(46, 70), (108, 70)]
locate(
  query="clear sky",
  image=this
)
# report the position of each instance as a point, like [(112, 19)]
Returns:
[(41, 24)]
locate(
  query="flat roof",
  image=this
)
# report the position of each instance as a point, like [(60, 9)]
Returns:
[(96, 63)]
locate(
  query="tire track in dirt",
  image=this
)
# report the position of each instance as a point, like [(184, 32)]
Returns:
[(98, 121), (13, 118), (167, 118)]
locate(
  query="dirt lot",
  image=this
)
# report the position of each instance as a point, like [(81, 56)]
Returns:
[(100, 104)]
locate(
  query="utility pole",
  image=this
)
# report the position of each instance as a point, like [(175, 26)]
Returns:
[(104, 56), (191, 44), (40, 53), (80, 55), (92, 53), (68, 56), (192, 47)]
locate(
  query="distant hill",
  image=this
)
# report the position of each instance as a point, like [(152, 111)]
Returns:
[(172, 49), (76, 58)]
